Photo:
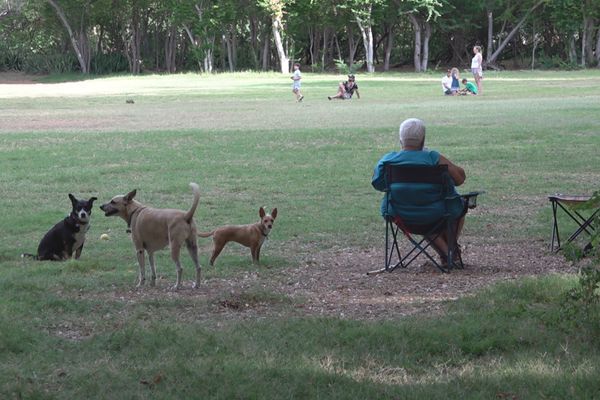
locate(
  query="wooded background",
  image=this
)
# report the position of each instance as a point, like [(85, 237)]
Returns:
[(107, 36)]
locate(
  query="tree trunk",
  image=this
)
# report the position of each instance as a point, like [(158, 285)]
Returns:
[(417, 52), (170, 49), (389, 44), (572, 49), (352, 45), (490, 34), (367, 36), (77, 46), (266, 50), (587, 46), (425, 52), (598, 47), (283, 58), (512, 33)]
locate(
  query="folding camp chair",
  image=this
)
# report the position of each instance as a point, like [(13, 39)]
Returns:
[(437, 175), (585, 224)]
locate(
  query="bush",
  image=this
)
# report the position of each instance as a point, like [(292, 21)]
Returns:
[(344, 69)]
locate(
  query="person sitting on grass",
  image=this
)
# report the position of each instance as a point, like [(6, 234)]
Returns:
[(346, 89), (447, 83), (470, 88)]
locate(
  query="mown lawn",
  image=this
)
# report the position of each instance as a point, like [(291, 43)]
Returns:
[(66, 333)]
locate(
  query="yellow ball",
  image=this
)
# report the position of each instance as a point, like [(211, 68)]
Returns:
[(104, 236)]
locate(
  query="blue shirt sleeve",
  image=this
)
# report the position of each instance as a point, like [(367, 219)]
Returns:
[(378, 180)]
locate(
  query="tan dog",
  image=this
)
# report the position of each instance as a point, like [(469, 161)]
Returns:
[(153, 229), (252, 235)]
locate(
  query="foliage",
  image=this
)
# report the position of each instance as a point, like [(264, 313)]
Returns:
[(203, 33), (344, 69)]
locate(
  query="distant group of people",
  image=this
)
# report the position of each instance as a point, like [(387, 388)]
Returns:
[(450, 82)]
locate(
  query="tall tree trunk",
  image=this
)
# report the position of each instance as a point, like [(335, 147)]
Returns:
[(284, 61), (490, 34), (266, 50), (78, 46), (587, 45), (367, 36), (572, 49), (352, 45), (425, 52), (388, 45), (598, 47), (417, 52), (512, 33), (170, 49)]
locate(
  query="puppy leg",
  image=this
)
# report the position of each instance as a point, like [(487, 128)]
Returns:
[(192, 247), (218, 247), (175, 250), (152, 268), (141, 261)]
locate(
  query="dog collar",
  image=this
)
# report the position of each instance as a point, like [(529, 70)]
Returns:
[(131, 217)]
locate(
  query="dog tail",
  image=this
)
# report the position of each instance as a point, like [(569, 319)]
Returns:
[(190, 214), (206, 234), (29, 255)]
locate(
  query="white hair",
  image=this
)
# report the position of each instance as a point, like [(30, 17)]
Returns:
[(412, 133)]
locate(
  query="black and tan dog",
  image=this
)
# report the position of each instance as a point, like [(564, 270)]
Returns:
[(67, 236), (153, 229), (252, 235)]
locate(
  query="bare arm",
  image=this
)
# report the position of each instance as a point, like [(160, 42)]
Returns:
[(357, 94), (456, 172)]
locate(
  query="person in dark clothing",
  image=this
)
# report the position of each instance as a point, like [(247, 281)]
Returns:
[(346, 89)]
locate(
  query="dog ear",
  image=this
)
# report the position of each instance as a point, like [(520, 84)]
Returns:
[(261, 212), (129, 196), (92, 199), (73, 199), (274, 213)]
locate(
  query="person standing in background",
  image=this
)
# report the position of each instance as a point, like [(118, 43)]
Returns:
[(477, 67)]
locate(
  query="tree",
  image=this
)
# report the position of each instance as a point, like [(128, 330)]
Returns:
[(275, 8), (79, 39)]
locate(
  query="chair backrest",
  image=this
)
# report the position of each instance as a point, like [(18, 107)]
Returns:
[(435, 179), (436, 174)]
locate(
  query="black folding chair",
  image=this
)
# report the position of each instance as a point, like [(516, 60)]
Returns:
[(437, 175), (585, 223)]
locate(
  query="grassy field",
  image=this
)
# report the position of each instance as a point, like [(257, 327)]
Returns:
[(66, 332)]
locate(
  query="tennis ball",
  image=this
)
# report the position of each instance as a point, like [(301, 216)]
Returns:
[(104, 236)]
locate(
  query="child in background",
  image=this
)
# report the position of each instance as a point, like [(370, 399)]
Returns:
[(470, 88), (296, 85)]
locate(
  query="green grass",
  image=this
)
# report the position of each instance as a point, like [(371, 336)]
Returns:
[(66, 331)]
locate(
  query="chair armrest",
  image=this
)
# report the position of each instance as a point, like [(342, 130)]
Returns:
[(471, 198)]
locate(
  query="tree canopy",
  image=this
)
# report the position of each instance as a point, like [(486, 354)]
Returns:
[(105, 36)]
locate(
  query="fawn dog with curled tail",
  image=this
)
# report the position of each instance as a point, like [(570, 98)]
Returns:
[(252, 235), (153, 229)]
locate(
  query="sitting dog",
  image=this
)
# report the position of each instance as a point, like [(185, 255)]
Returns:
[(252, 235), (153, 229), (67, 236)]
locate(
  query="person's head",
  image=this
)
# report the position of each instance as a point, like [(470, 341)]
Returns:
[(476, 49), (351, 78), (296, 66), (449, 72), (412, 134), (454, 72), (464, 81)]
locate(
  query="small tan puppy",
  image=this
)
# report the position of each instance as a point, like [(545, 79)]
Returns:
[(252, 235), (153, 229)]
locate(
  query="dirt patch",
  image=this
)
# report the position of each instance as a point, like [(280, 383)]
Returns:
[(334, 283), (17, 78)]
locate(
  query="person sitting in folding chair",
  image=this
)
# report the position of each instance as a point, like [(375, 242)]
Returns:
[(419, 205)]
